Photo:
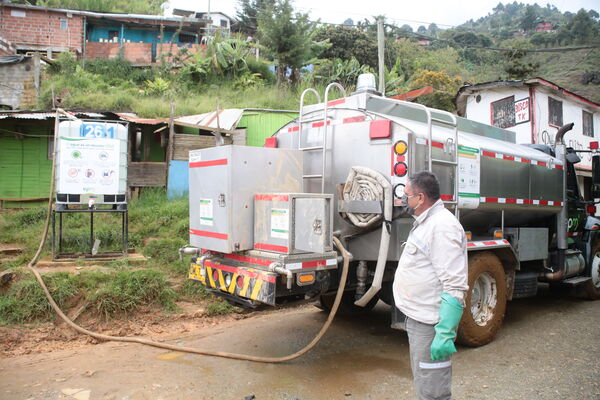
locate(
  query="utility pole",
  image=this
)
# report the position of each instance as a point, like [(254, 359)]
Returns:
[(380, 53)]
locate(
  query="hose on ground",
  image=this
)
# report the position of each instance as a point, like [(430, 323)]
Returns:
[(148, 342)]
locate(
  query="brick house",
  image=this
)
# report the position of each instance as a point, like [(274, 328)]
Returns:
[(28, 28), (140, 39), (544, 26)]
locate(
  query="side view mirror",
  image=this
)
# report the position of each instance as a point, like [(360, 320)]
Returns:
[(595, 177)]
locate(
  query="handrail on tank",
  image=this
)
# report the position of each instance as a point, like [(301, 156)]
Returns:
[(325, 124), (454, 120), (300, 117)]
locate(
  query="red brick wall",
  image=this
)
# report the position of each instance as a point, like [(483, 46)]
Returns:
[(41, 28), (136, 53)]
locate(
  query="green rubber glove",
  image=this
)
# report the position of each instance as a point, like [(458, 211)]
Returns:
[(445, 330)]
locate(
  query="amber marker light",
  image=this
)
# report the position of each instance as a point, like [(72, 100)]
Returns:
[(400, 147), (305, 279)]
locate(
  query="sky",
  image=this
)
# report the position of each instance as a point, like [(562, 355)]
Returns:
[(444, 13)]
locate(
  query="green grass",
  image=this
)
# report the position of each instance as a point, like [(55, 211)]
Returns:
[(122, 287), (108, 294), (219, 307)]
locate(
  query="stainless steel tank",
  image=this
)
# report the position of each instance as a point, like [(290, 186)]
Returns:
[(494, 174)]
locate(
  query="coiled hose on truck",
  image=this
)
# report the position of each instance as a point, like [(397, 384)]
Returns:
[(148, 342)]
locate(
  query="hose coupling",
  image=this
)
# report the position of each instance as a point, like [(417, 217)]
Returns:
[(277, 267)]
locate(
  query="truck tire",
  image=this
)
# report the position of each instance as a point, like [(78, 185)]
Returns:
[(591, 289), (347, 306), (485, 302), (526, 285)]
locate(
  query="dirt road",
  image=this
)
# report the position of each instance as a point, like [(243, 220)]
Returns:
[(549, 348)]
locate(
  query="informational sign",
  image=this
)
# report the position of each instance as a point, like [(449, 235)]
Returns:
[(206, 212), (279, 223), (468, 177), (88, 166), (522, 111)]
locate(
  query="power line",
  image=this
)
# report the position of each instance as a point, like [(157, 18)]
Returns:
[(473, 46)]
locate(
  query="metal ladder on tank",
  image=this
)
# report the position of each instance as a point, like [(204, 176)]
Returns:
[(323, 146), (453, 124)]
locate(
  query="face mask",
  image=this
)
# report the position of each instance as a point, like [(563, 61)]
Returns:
[(408, 209)]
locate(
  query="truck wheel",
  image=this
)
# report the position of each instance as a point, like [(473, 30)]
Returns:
[(591, 290), (347, 306), (485, 301)]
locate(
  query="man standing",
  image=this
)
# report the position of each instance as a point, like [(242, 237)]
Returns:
[(430, 285)]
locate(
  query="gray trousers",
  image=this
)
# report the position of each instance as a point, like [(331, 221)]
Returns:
[(432, 379)]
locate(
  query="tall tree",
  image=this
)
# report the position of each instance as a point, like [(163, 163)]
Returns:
[(347, 43), (529, 19), (288, 37), (248, 13)]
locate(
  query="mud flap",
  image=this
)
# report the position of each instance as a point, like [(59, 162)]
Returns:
[(244, 282)]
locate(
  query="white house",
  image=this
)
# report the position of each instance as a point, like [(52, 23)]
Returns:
[(534, 109), (219, 21)]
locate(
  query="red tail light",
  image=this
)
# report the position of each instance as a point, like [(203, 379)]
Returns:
[(400, 169), (591, 209)]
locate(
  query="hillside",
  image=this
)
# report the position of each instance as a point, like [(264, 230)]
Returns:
[(229, 73)]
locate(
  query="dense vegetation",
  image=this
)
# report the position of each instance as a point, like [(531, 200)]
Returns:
[(304, 53)]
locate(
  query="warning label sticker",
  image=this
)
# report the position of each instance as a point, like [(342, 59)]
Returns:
[(206, 212), (279, 223)]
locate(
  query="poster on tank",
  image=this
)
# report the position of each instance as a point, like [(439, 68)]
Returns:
[(468, 177), (88, 166)]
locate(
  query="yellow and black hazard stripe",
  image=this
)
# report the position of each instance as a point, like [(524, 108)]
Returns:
[(250, 283)]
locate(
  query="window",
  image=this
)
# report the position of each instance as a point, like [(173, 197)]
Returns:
[(555, 112), (588, 123), (187, 38), (223, 23), (503, 112), (64, 24), (18, 13)]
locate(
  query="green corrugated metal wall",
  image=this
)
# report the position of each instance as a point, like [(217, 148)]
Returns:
[(25, 168), (263, 124)]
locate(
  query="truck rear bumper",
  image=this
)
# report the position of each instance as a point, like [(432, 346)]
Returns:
[(248, 277), (245, 282)]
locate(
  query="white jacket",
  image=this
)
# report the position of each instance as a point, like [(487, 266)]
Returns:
[(434, 260)]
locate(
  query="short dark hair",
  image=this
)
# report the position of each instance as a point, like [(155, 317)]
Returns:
[(426, 183)]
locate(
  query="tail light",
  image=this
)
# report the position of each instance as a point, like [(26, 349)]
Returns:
[(591, 209), (400, 169)]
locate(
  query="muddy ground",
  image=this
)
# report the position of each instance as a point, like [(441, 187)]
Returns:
[(547, 349)]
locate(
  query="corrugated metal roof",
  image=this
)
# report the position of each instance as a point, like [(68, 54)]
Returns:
[(142, 121), (42, 115), (227, 119), (158, 18), (30, 115)]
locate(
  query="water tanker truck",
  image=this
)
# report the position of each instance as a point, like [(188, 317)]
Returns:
[(262, 219)]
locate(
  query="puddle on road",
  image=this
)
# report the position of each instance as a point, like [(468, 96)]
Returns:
[(329, 375), (173, 356)]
